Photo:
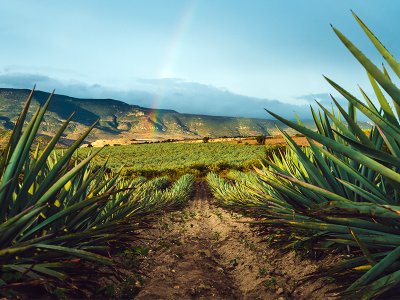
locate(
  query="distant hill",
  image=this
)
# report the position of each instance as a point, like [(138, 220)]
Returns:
[(121, 120)]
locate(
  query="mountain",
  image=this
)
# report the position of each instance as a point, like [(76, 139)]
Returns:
[(119, 120)]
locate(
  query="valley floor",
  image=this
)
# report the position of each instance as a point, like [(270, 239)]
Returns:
[(205, 252)]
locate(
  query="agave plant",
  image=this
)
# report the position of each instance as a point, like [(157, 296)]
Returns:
[(343, 191), (235, 193), (57, 212), (349, 187)]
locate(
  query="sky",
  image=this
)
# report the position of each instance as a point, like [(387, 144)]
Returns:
[(167, 53)]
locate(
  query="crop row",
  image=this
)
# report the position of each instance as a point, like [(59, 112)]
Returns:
[(176, 159)]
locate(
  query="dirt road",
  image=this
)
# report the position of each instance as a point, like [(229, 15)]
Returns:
[(205, 252)]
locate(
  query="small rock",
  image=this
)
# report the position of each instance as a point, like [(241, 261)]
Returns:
[(281, 298), (176, 287), (205, 253), (279, 291)]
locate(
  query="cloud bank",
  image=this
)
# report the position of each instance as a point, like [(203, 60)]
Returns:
[(179, 95)]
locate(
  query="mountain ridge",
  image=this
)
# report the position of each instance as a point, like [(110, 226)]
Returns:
[(118, 119)]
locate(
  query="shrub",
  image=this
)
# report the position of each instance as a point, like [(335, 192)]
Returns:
[(261, 139)]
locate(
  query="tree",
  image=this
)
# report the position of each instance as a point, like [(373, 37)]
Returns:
[(261, 139), (206, 139)]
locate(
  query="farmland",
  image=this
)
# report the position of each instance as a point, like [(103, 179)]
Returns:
[(178, 158), (218, 220)]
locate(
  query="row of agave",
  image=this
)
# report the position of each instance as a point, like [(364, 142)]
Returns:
[(57, 212), (343, 191)]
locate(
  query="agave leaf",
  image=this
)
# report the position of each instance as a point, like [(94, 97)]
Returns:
[(61, 163), (13, 166), (300, 199), (34, 130), (77, 253), (14, 226), (316, 121), (50, 272), (381, 48), (31, 175), (326, 170), (390, 142), (363, 248), (63, 180), (350, 264), (376, 154), (337, 122), (353, 126), (351, 220), (75, 208), (377, 270), (375, 117), (364, 234), (382, 101), (385, 83), (318, 190), (370, 104), (14, 250), (363, 208), (376, 288), (354, 174), (353, 154), (16, 133), (313, 172), (366, 196)]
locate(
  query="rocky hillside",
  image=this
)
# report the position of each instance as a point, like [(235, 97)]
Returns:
[(119, 120)]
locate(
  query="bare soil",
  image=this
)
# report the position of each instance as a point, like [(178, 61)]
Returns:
[(128, 140), (205, 252)]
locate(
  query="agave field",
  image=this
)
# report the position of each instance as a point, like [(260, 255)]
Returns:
[(342, 192), (61, 217), (175, 159), (65, 213)]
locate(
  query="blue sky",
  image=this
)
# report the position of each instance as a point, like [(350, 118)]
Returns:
[(263, 49)]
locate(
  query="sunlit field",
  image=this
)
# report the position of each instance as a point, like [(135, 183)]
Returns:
[(201, 206), (179, 158)]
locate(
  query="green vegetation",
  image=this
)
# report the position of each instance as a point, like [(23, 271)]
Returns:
[(63, 213), (61, 218), (175, 159), (342, 192), (261, 139)]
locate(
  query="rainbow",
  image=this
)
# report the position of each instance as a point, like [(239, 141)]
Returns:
[(171, 57)]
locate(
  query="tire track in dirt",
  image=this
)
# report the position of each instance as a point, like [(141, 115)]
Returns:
[(205, 252)]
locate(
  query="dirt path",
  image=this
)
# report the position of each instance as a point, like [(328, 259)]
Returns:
[(205, 252)]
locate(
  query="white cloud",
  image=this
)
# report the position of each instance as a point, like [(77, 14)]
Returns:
[(176, 94)]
